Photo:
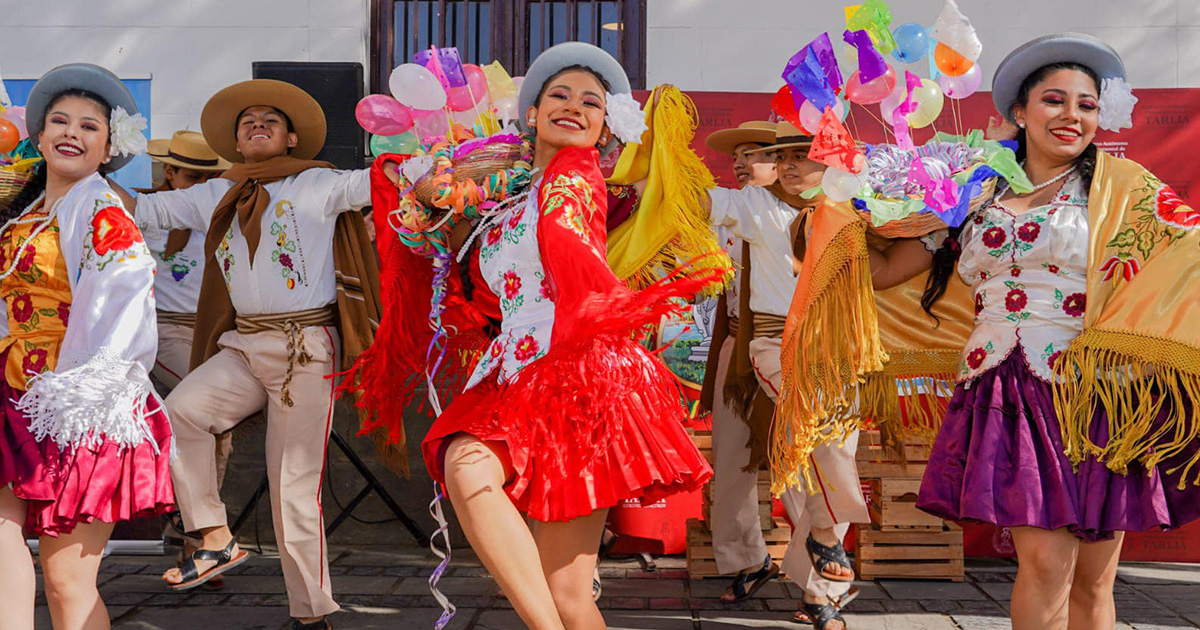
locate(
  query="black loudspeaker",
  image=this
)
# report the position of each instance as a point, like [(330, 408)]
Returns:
[(337, 86)]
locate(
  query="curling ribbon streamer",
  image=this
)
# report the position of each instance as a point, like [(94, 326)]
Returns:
[(443, 530)]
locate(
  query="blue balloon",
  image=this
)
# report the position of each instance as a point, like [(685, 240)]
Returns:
[(912, 42)]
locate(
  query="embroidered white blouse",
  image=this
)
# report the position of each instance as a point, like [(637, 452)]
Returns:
[(101, 381), (1029, 275), (293, 265), (762, 220), (177, 282), (511, 265)]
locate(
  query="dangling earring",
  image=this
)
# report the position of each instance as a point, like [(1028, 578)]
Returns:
[(1021, 125)]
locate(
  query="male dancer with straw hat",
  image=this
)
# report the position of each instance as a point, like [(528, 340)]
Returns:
[(771, 223), (290, 279)]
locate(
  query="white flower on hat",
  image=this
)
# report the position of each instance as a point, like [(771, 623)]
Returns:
[(1116, 104), (625, 118), (125, 133)]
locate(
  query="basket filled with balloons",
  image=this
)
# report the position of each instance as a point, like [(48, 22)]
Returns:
[(18, 157), (452, 121), (902, 189)]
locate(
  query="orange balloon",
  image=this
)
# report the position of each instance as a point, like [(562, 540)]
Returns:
[(9, 136), (949, 62)]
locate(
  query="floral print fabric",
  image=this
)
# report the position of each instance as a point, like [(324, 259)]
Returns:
[(1029, 274), (38, 296), (511, 265)]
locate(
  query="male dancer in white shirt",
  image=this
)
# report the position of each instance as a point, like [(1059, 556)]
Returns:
[(768, 221), (271, 223)]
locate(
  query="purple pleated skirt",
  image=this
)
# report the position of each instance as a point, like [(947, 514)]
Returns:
[(999, 459)]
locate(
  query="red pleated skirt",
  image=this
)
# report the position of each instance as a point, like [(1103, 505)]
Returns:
[(585, 427), (105, 482)]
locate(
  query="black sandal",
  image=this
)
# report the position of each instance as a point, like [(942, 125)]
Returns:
[(822, 614), (823, 555), (316, 625), (802, 617), (757, 580), (225, 560)]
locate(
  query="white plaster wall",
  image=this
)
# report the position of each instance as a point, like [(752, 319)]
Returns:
[(189, 48), (742, 45)]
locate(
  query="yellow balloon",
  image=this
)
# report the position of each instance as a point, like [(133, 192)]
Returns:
[(929, 100)]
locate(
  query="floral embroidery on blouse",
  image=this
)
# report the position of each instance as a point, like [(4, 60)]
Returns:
[(1161, 215), (38, 295), (1028, 272), (573, 192), (510, 263), (225, 257), (112, 236), (287, 253)]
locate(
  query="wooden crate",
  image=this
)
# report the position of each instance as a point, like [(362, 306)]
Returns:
[(701, 558), (893, 505), (909, 554)]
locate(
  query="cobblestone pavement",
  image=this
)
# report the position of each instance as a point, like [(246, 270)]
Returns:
[(387, 588)]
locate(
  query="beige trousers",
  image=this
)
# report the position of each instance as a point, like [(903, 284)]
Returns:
[(170, 366), (246, 375), (839, 500)]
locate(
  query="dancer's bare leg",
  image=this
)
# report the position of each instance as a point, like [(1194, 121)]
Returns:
[(475, 477), (17, 581), (1092, 606), (568, 552), (1045, 567), (70, 563)]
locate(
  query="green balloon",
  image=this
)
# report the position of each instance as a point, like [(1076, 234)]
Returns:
[(404, 143)]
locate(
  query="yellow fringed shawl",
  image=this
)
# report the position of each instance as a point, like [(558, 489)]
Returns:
[(671, 223), (844, 343), (1139, 352)]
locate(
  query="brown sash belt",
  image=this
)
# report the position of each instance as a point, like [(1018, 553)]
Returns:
[(178, 319), (293, 325), (768, 325)]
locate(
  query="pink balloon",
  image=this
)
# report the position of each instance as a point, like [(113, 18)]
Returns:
[(810, 116), (16, 115), (963, 85), (871, 91), (383, 115)]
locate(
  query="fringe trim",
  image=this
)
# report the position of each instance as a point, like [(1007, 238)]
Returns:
[(1133, 378), (826, 356), (105, 397), (684, 181)]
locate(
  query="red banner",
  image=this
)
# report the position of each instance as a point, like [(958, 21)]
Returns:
[(1161, 140)]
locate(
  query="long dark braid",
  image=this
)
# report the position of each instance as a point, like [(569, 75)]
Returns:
[(945, 259)]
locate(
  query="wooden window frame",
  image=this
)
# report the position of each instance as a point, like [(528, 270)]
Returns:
[(505, 37)]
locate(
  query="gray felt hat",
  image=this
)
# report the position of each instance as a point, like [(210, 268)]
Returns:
[(565, 55), (1076, 47), (77, 76)]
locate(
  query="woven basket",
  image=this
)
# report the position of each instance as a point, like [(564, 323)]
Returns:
[(11, 183), (476, 165), (921, 223)]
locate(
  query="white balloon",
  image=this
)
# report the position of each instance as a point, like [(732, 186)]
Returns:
[(838, 185), (415, 86), (506, 108)]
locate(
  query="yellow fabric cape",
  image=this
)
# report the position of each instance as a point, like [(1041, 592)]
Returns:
[(671, 222), (1139, 353), (843, 343)]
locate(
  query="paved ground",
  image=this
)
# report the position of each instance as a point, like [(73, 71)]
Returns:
[(387, 588)]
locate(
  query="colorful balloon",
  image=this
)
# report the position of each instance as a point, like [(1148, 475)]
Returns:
[(16, 115), (912, 42), (872, 91), (461, 99), (506, 108), (810, 116), (893, 100), (400, 143), (929, 100), (9, 136), (839, 185), (962, 86), (417, 87), (382, 115), (431, 125), (950, 62)]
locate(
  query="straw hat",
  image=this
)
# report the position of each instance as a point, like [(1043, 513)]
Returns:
[(77, 76), (1082, 49), (787, 136), (187, 149), (219, 118), (754, 131)]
